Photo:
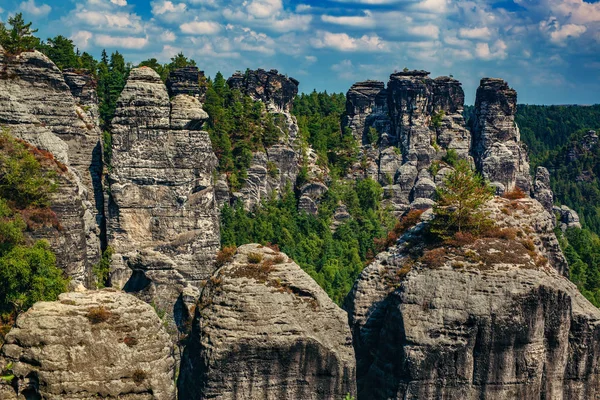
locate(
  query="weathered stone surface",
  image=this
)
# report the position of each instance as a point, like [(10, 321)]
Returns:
[(265, 330), (488, 319), (542, 191), (188, 80), (567, 217), (499, 154), (417, 119), (163, 220), (276, 91), (83, 88), (57, 352), (38, 106)]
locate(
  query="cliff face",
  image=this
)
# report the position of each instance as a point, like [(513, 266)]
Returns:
[(162, 216), (37, 105), (264, 329), (491, 318), (498, 152), (272, 170), (186, 81), (88, 345)]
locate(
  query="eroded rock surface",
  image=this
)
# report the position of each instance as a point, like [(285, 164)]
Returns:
[(188, 80), (491, 318), (275, 90), (499, 154), (89, 345), (163, 219), (265, 330), (58, 113)]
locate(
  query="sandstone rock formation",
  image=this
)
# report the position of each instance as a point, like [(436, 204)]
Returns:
[(264, 329), (542, 191), (162, 217), (89, 345), (490, 318), (38, 106), (273, 89), (498, 152), (188, 80), (567, 217), (271, 171), (416, 119)]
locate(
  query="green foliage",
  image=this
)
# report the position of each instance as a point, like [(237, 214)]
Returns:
[(18, 36), (451, 157), (61, 50), (373, 136), (23, 181), (333, 259), (437, 118), (107, 147), (112, 76), (319, 119), (28, 269), (102, 268), (238, 126), (178, 61), (458, 202)]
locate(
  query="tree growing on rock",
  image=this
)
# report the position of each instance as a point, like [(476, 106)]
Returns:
[(458, 201), (19, 37)]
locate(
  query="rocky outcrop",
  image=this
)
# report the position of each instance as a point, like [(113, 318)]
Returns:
[(405, 128), (37, 105), (273, 89), (542, 191), (366, 108), (499, 154), (88, 345), (264, 329), (488, 318), (188, 80), (162, 217), (566, 217)]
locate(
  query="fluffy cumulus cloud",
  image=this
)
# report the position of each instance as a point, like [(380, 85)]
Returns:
[(331, 44), (29, 7)]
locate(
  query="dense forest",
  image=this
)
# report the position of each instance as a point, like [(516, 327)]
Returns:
[(238, 126)]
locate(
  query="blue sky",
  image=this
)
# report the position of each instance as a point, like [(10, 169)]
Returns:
[(548, 50)]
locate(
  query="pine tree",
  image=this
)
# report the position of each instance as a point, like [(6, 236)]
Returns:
[(19, 37), (458, 202)]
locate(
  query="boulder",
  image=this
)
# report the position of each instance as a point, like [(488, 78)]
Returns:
[(264, 329), (101, 344)]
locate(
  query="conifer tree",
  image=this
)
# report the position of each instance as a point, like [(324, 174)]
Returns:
[(19, 37)]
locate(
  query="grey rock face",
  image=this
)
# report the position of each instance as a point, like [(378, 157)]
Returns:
[(163, 220), (567, 217), (265, 330), (490, 319), (83, 88), (57, 351), (188, 80), (38, 106), (497, 149), (275, 90), (418, 119), (542, 191)]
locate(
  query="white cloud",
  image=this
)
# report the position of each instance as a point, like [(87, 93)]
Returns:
[(121, 3), (102, 20), (168, 36), (162, 7), (200, 28), (310, 59), (565, 32), (82, 39), (365, 21), (264, 8), (432, 6), (486, 52), (127, 42), (482, 33), (344, 42), (429, 31), (30, 7), (303, 8)]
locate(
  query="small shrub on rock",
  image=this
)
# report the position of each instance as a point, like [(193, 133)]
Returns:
[(225, 255), (515, 194), (99, 314), (255, 258)]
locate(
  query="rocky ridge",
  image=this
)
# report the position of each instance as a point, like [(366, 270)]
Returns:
[(263, 328), (163, 220)]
